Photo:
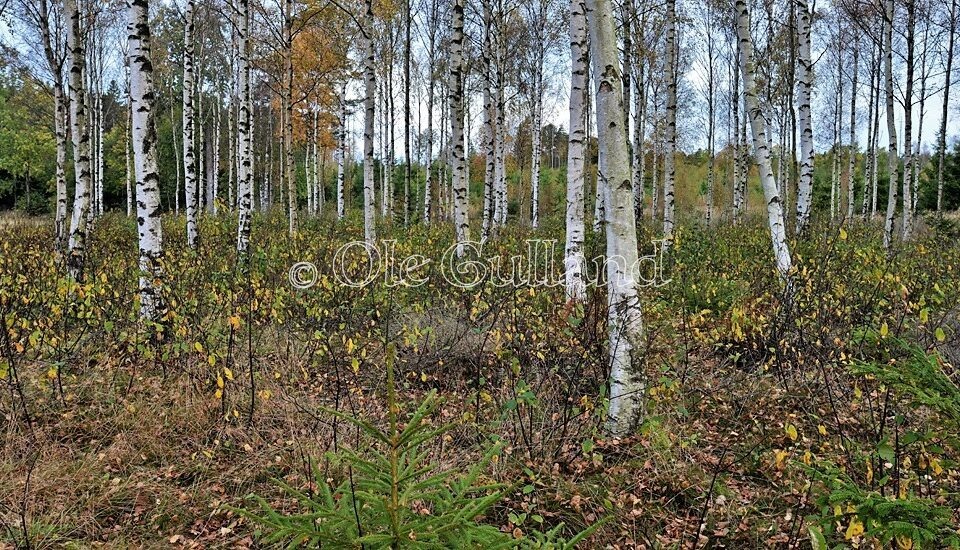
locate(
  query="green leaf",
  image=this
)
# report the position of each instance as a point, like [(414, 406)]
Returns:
[(817, 540)]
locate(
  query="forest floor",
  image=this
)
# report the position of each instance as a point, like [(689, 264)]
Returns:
[(830, 417)]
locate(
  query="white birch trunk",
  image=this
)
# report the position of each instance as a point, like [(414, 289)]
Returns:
[(639, 130), (244, 131), (625, 326), (145, 160), (461, 190), (907, 228), (669, 170), (804, 87), (369, 102), (81, 141), (775, 217), (852, 153), (537, 149), (573, 255), (942, 144), (427, 183), (342, 154), (60, 123), (893, 160), (189, 130), (288, 165)]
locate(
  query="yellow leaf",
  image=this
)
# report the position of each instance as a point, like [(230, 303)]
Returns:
[(924, 315), (843, 234), (855, 529), (941, 336), (869, 472), (220, 382), (355, 363), (779, 457), (791, 432), (350, 346), (211, 360), (904, 542), (234, 321), (52, 373), (884, 330), (219, 394), (822, 429), (228, 373), (198, 346)]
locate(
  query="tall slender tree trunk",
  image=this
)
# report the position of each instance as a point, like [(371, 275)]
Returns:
[(145, 160), (775, 217), (639, 131), (427, 181), (60, 123), (893, 159), (369, 102), (489, 121), (408, 161), (81, 141), (908, 123), (852, 153), (460, 184), (804, 87), (624, 321), (869, 164), (244, 131), (735, 101), (711, 123), (189, 160), (342, 154), (875, 144), (500, 166), (669, 171), (537, 146), (574, 255), (289, 164), (127, 139), (944, 114), (837, 129)]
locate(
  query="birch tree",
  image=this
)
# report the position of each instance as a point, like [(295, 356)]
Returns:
[(575, 228), (341, 152), (892, 159), (804, 87), (907, 228), (945, 112), (145, 159), (79, 131), (461, 194), (369, 112), (624, 318), (189, 160), (775, 217), (852, 152), (244, 132), (432, 29), (49, 27), (669, 159)]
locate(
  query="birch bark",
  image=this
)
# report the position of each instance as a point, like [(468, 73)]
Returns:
[(145, 160), (775, 217), (625, 326)]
